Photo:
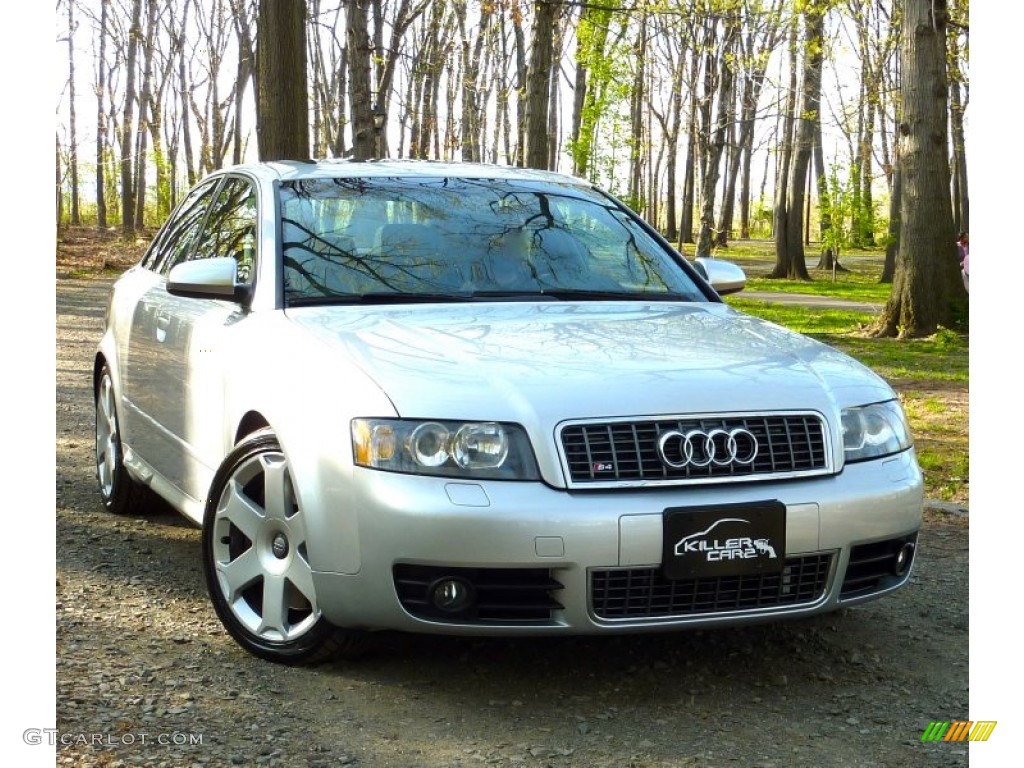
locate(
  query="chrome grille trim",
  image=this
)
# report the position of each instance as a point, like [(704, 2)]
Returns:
[(790, 445)]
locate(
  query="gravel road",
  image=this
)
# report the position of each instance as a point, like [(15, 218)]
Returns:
[(146, 675)]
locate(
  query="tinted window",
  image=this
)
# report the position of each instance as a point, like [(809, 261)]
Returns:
[(231, 227), (350, 237), (181, 232)]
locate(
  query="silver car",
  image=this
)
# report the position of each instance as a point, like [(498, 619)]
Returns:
[(478, 400)]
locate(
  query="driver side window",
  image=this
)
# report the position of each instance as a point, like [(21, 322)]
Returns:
[(231, 228), (179, 237)]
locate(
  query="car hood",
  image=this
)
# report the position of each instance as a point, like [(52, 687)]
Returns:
[(544, 363), (541, 363)]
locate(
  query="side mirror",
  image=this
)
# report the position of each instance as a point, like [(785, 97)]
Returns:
[(724, 276), (207, 279)]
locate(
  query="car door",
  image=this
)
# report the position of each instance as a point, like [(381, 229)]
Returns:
[(143, 378), (178, 339)]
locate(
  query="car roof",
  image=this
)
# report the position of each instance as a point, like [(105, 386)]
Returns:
[(290, 170)]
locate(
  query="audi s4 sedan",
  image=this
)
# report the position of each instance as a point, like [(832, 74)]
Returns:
[(477, 400)]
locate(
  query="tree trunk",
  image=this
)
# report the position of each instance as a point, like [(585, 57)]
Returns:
[(636, 127), (552, 162), (689, 179), (781, 211), (828, 255), (519, 152), (244, 72), (732, 167), (927, 290), (538, 84), (145, 103), (59, 185), (101, 125), (814, 30), (283, 125), (73, 133), (716, 143), (961, 200), (184, 85), (892, 245), (588, 99), (128, 125)]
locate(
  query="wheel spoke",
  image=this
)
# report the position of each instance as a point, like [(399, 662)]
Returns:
[(277, 490), (241, 511), (107, 407), (301, 577), (239, 573), (275, 605)]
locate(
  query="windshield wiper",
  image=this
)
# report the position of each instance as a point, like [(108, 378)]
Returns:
[(580, 294), (376, 297), (541, 294)]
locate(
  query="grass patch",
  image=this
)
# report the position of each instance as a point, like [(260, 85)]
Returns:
[(853, 287)]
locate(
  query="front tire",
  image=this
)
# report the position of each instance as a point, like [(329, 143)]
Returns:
[(257, 568), (120, 492)]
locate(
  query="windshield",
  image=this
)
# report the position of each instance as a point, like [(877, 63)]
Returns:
[(421, 239)]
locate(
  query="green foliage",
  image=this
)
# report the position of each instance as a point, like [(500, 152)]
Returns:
[(163, 188), (848, 286), (839, 207), (608, 85), (761, 215)]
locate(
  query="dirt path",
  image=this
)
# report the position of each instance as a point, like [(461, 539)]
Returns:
[(144, 670)]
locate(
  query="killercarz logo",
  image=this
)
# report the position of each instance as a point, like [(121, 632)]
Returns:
[(708, 547)]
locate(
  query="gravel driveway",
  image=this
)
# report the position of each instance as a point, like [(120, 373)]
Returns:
[(147, 676)]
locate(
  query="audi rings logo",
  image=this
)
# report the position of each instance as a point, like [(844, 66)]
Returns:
[(697, 448)]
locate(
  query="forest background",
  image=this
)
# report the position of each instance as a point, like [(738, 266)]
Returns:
[(714, 119), (31, 201)]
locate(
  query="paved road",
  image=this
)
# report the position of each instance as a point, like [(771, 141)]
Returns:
[(824, 302)]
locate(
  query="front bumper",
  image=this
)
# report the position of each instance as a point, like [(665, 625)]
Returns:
[(389, 525)]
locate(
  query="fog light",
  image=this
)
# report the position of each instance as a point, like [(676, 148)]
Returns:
[(903, 559), (452, 595)]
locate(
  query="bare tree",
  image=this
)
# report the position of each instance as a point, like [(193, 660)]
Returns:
[(669, 40), (715, 143), (780, 217), (243, 14), (638, 98), (101, 126), (72, 131), (128, 124), (959, 98), (810, 107)]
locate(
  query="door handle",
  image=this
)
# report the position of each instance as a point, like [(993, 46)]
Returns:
[(163, 322)]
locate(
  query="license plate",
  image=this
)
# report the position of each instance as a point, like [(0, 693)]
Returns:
[(724, 540)]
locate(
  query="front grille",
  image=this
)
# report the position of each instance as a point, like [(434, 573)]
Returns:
[(518, 595), (871, 567), (643, 593), (626, 451)]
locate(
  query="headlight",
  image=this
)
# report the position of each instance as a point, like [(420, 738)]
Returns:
[(451, 449), (875, 430)]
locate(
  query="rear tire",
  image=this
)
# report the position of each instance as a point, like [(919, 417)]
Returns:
[(257, 569), (120, 492)]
